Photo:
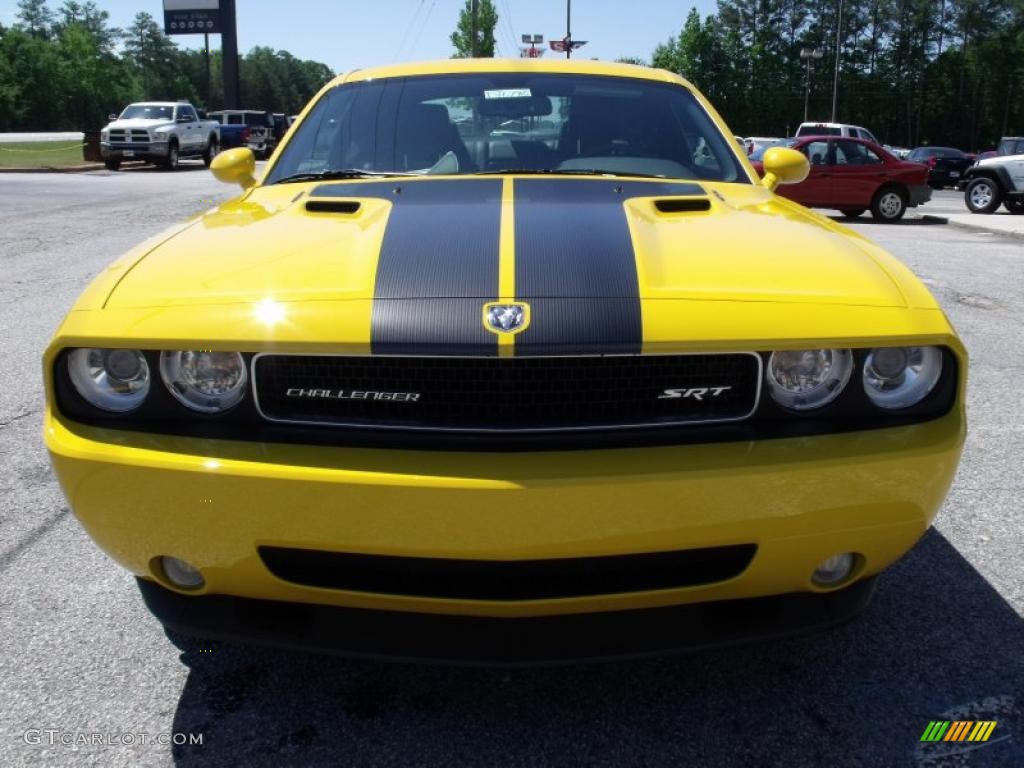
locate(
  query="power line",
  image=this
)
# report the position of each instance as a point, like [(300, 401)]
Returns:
[(423, 25), (509, 26), (409, 28)]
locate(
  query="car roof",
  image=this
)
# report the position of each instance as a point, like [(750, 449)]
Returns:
[(831, 125), (833, 137), (487, 65)]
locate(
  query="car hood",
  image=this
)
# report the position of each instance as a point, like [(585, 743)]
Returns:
[(530, 239), (148, 124), (989, 162)]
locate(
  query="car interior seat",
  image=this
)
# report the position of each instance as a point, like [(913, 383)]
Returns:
[(425, 135)]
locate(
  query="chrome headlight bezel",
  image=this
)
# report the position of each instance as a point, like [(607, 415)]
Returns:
[(895, 384), (184, 378), (105, 378), (831, 382)]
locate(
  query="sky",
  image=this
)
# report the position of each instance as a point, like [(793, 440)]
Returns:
[(347, 34)]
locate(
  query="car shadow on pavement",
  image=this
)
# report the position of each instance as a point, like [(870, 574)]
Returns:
[(183, 165), (937, 643), (923, 221)]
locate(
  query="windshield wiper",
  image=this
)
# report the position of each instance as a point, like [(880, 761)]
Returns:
[(568, 172), (342, 173)]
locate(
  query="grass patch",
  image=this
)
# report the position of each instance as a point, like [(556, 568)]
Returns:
[(41, 154)]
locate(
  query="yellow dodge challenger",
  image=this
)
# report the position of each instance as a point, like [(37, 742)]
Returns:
[(506, 362)]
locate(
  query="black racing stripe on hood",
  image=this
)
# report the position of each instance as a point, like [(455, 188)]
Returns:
[(576, 266), (438, 264)]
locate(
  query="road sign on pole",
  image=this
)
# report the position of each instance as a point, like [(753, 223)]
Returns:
[(530, 49), (192, 17), (562, 46)]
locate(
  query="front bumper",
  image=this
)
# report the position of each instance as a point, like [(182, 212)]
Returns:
[(402, 636), (134, 151), (214, 503)]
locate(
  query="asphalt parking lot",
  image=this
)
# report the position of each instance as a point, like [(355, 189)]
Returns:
[(943, 638)]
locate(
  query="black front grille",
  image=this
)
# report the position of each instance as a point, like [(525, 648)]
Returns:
[(501, 580), (507, 394)]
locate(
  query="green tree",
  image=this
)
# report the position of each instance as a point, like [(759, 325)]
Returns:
[(913, 71), (156, 61), (90, 17), (35, 17), (462, 37), (33, 81)]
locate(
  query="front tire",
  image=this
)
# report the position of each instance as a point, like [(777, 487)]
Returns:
[(852, 213), (112, 165), (1014, 204), (889, 205), (171, 163), (212, 150), (983, 196)]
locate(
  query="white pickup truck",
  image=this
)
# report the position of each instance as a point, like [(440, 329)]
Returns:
[(160, 132)]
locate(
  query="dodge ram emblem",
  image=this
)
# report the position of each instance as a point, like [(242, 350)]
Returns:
[(506, 318)]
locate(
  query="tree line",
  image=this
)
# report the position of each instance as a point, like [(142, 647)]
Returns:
[(67, 69), (914, 72)]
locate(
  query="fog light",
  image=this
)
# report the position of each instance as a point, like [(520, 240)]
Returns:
[(180, 573), (834, 569)]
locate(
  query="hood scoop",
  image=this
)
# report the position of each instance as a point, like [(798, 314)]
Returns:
[(683, 205), (347, 207)]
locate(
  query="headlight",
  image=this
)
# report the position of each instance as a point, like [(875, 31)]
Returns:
[(208, 382), (899, 377), (805, 379), (114, 380)]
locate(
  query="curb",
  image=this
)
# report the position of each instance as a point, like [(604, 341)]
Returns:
[(62, 169), (980, 226)]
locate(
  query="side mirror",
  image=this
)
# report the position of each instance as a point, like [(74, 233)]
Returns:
[(112, 118), (235, 166), (183, 119), (783, 165)]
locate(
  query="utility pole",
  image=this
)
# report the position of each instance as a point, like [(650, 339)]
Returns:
[(835, 79), (568, 29), (229, 50), (206, 56), (474, 12)]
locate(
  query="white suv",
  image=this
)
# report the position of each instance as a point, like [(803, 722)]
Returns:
[(998, 179), (835, 129)]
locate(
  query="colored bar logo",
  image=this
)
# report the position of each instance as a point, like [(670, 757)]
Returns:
[(958, 730)]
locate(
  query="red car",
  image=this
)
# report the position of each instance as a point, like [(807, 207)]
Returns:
[(855, 175)]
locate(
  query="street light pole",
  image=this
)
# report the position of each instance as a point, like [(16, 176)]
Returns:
[(568, 29), (835, 78), (809, 55), (474, 9)]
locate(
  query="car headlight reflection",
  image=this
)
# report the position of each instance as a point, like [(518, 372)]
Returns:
[(115, 380), (899, 377), (804, 379), (208, 382)]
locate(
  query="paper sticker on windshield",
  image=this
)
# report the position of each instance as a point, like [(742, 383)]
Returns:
[(508, 93)]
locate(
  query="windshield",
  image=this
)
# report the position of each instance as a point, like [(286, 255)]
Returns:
[(819, 130), (147, 112), (490, 123), (927, 152)]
